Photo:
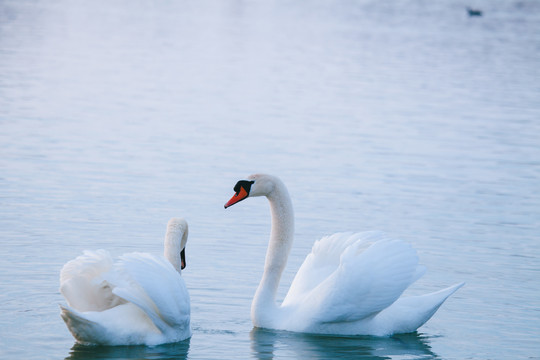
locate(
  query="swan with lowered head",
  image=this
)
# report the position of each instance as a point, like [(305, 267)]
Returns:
[(140, 299), (350, 283)]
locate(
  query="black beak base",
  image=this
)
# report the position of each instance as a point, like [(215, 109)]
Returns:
[(183, 258)]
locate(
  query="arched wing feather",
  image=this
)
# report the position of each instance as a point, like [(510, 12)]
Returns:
[(348, 277), (82, 282), (155, 286)]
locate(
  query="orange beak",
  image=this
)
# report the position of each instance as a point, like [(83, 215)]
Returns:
[(239, 196)]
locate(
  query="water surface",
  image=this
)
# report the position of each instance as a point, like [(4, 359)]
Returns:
[(403, 116)]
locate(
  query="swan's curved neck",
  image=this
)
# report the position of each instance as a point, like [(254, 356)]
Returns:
[(281, 238), (173, 246)]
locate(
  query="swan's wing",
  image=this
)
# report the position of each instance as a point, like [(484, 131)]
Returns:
[(82, 282), (155, 286), (348, 277), (323, 260)]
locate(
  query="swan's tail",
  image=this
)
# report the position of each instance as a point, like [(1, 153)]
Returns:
[(413, 311), (429, 303), (83, 330)]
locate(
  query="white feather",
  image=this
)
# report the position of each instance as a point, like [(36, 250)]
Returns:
[(138, 299)]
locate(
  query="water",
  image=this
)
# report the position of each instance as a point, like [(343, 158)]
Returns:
[(403, 116)]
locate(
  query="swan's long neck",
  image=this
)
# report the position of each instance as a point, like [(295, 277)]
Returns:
[(175, 240), (281, 238)]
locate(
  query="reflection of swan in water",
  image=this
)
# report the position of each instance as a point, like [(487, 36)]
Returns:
[(177, 350), (269, 344)]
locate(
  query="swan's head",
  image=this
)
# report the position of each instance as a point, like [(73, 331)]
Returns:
[(255, 185), (175, 242)]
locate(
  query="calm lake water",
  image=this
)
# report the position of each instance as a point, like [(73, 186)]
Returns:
[(405, 116)]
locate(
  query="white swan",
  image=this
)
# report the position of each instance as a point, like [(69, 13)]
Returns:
[(139, 299), (350, 284)]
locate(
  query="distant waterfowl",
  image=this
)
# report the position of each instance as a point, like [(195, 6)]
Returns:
[(138, 299), (350, 283), (474, 12)]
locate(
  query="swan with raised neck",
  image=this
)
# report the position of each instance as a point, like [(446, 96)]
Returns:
[(349, 284)]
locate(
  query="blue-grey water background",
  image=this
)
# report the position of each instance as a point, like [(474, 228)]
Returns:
[(406, 116)]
